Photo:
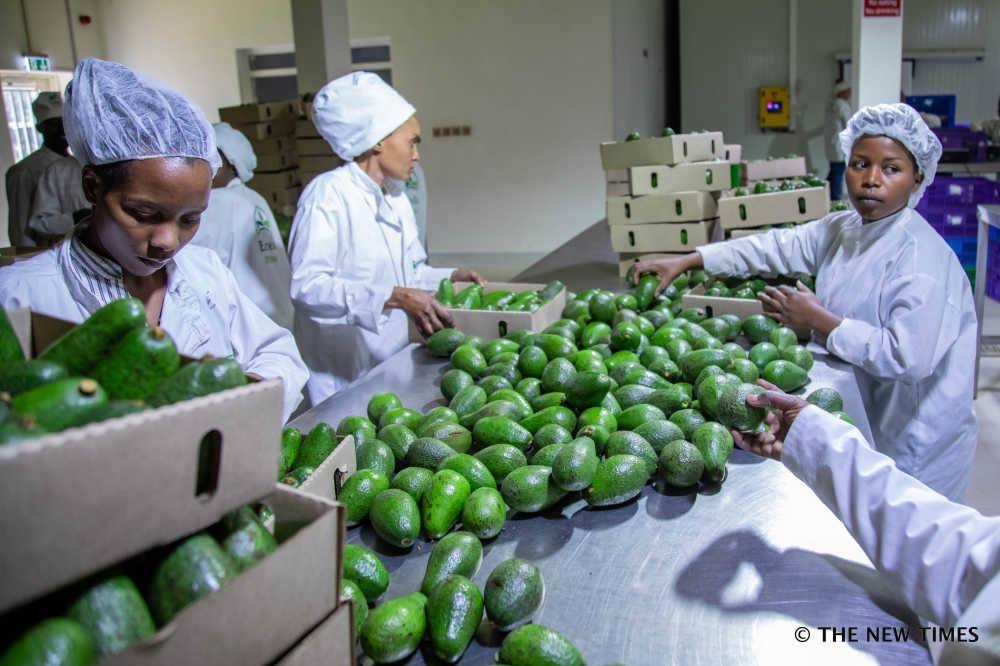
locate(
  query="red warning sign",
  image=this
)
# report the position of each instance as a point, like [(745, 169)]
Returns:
[(883, 8)]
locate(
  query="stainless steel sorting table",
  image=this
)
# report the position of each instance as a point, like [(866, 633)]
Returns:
[(725, 575)]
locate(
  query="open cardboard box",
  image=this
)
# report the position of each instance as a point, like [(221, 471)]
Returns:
[(12, 255), (491, 325), (628, 259), (77, 501), (659, 208), (788, 167), (276, 162), (276, 144), (732, 152), (329, 644), (328, 478), (274, 182), (756, 210), (280, 126), (661, 150), (670, 237), (269, 607), (700, 176), (716, 306)]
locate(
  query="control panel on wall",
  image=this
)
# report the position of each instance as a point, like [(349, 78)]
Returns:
[(454, 130)]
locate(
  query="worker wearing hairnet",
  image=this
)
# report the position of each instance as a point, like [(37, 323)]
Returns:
[(22, 178), (891, 297), (942, 557), (239, 226), (59, 202), (149, 156), (358, 268), (838, 113)]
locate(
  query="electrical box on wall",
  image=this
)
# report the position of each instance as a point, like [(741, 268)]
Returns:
[(775, 103)]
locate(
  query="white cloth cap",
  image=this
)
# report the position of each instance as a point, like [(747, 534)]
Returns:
[(355, 112), (47, 105), (237, 149), (114, 113), (902, 123), (841, 86)]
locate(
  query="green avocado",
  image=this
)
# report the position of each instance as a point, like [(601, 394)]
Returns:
[(291, 440), (395, 517), (734, 412), (531, 489), (413, 480), (501, 460), (193, 569), (196, 379), (444, 343), (617, 480), (635, 416), (785, 375), (827, 399), (56, 405), (380, 403), (457, 554), (629, 443), (364, 569), (513, 593), (441, 504), (484, 513), (500, 430), (376, 455), (715, 444), (394, 629), (454, 611), (82, 348), (535, 645), (57, 641), (16, 377), (681, 463), (399, 438), (758, 327), (134, 367), (468, 400), (470, 360), (551, 415), (316, 446), (474, 471), (359, 491), (454, 381), (350, 590), (113, 611), (763, 353)]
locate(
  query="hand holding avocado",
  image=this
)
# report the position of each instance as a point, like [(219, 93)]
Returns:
[(463, 275), (768, 444), (667, 270), (422, 308), (798, 308)]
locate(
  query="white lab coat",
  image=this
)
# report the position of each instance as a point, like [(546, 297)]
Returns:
[(350, 245), (909, 328), (59, 194), (943, 557), (838, 113), (21, 181), (240, 228), (204, 311)]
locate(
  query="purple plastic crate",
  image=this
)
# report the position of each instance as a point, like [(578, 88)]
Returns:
[(951, 137), (965, 248), (953, 224), (952, 191)]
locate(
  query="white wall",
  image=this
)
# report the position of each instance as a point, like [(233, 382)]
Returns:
[(534, 81), (638, 76)]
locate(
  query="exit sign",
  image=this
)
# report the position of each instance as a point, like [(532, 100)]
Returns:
[(34, 63), (883, 8)]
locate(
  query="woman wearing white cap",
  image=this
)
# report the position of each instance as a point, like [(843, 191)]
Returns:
[(358, 268), (149, 156), (891, 297), (239, 226)]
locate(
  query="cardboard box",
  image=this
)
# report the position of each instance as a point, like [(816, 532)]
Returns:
[(319, 163), (616, 176), (329, 644), (259, 131), (269, 607), (328, 478), (671, 237), (700, 176), (732, 152), (627, 260), (276, 144), (77, 501), (261, 112), (314, 146), (276, 162), (743, 233), (12, 255), (789, 167), (755, 210), (618, 190), (716, 306), (658, 208), (490, 325), (274, 182), (305, 128), (674, 149)]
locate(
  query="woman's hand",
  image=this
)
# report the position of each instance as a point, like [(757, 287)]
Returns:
[(666, 269), (461, 275), (798, 308), (422, 308), (768, 444)]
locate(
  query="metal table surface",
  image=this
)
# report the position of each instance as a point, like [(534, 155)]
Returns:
[(723, 575)]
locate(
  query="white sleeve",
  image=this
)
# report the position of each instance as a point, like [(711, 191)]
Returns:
[(777, 252), (937, 553), (18, 186), (920, 327), (262, 347), (317, 289), (47, 214)]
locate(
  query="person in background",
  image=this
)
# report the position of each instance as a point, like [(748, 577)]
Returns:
[(59, 202), (22, 178), (358, 268), (149, 156), (933, 121), (891, 298), (838, 113), (989, 125), (942, 557), (240, 227)]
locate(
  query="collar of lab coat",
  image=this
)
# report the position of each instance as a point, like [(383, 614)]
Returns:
[(869, 233), (180, 296), (374, 195)]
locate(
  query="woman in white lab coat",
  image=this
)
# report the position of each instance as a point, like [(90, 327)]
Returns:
[(149, 158), (358, 267), (240, 228), (942, 557), (891, 297)]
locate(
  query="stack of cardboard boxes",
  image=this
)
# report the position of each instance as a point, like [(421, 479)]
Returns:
[(316, 156), (662, 193)]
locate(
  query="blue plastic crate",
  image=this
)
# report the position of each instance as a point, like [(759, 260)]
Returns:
[(994, 235), (939, 105), (965, 248)]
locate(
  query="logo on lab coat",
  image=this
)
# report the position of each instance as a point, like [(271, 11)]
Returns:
[(260, 221)]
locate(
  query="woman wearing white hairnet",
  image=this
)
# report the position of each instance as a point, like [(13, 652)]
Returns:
[(358, 268), (149, 156), (891, 297), (239, 226)]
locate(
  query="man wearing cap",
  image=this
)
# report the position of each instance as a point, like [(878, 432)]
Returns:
[(838, 113), (240, 227), (358, 268), (22, 178)]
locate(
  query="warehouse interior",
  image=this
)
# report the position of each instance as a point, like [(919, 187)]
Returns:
[(521, 104)]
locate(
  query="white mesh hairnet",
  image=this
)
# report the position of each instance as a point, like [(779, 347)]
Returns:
[(356, 111), (114, 113), (237, 149), (902, 123)]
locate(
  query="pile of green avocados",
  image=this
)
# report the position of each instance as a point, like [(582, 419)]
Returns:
[(766, 187), (472, 298), (107, 613), (111, 365)]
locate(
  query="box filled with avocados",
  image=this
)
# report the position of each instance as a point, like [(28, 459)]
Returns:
[(770, 169), (669, 237), (628, 259), (79, 500), (329, 644), (716, 306), (756, 210), (673, 149), (658, 208), (496, 324), (698, 176)]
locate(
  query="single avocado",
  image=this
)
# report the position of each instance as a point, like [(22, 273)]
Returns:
[(658, 434), (395, 517), (196, 379), (710, 371), (735, 325), (359, 491), (745, 369), (350, 590), (442, 502), (617, 480), (763, 353), (827, 399), (530, 489), (57, 641), (249, 544), (645, 289), (532, 362), (715, 444), (444, 343), (474, 341), (469, 360), (688, 420), (474, 471), (434, 417), (499, 346), (798, 355), (83, 346), (468, 400), (665, 335), (546, 400), (783, 337), (399, 416), (457, 554), (602, 308), (593, 333), (133, 368), (669, 400), (316, 446), (17, 377), (454, 381), (501, 460), (535, 645), (394, 629), (297, 476), (484, 513), (445, 296), (635, 416), (364, 569), (645, 378), (625, 336), (56, 405), (428, 453), (513, 593), (381, 403), (413, 480), (497, 408), (508, 371), (378, 456), (456, 436), (500, 430), (399, 438), (552, 434), (556, 375), (735, 413), (291, 440), (493, 383), (598, 434), (736, 353), (193, 569), (622, 370), (515, 398), (597, 416), (693, 363), (113, 611), (681, 463), (629, 443), (619, 357), (546, 455), (551, 415), (679, 349), (358, 427), (710, 390), (575, 464), (586, 389), (530, 387), (717, 327), (785, 375), (758, 327), (454, 611), (632, 395), (555, 346)]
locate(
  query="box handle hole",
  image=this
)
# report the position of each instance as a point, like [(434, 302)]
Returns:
[(502, 327), (684, 237), (338, 482), (708, 176), (802, 205), (685, 149), (652, 179), (628, 211), (209, 462), (713, 148), (678, 207), (743, 212), (631, 238), (708, 311)]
